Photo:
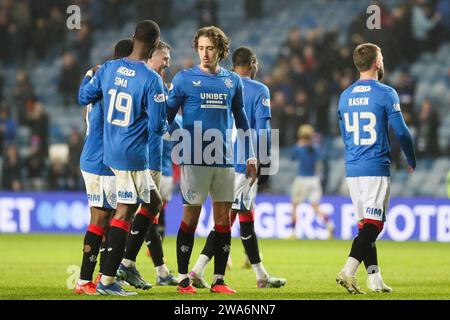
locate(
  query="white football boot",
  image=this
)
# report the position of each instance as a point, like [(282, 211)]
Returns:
[(376, 284), (349, 283)]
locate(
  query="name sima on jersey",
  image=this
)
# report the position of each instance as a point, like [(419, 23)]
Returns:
[(358, 102), (121, 82)]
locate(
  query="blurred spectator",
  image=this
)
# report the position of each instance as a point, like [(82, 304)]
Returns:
[(207, 11), (37, 121), (22, 94), (40, 38), (424, 19), (427, 143), (406, 87), (35, 168), (1, 84), (56, 26), (292, 46), (73, 166), (57, 176), (11, 170), (70, 77), (4, 44), (321, 104), (254, 9), (83, 45), (157, 10), (7, 128), (19, 29)]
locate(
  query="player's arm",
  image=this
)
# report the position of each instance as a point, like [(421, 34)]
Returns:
[(263, 130), (241, 120), (176, 97), (156, 108), (401, 131), (90, 88)]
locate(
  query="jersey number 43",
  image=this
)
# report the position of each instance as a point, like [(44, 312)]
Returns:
[(354, 127)]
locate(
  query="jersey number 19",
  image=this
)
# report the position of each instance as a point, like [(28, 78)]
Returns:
[(123, 103)]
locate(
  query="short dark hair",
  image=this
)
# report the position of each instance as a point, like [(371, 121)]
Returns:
[(147, 31), (365, 55), (123, 48), (217, 37), (161, 46), (243, 56)]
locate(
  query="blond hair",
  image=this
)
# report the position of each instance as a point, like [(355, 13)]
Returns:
[(305, 131), (365, 55)]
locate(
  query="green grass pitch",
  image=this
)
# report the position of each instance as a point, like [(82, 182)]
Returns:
[(35, 267)]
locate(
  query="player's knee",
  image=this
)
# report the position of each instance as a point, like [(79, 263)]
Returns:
[(246, 216), (369, 232)]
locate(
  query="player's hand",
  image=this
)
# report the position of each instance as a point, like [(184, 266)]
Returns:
[(252, 170), (95, 68), (410, 169), (92, 71), (262, 178)]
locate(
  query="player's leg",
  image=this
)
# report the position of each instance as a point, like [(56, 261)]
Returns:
[(346, 276), (375, 282), (95, 231), (166, 194), (144, 217), (222, 194), (185, 244), (103, 250), (297, 196), (154, 244), (194, 186), (314, 198), (109, 188), (197, 273), (91, 248), (128, 192)]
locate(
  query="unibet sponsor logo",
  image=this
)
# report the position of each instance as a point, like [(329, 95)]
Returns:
[(374, 211), (125, 194)]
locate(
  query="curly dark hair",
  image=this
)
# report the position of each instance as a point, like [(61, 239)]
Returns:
[(218, 38)]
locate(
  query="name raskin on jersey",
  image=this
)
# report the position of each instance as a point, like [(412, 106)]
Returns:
[(121, 82), (358, 102)]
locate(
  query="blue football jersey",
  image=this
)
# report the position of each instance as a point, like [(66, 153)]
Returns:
[(307, 156), (364, 112), (155, 146), (91, 159), (257, 106), (208, 101), (133, 104), (167, 163)]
